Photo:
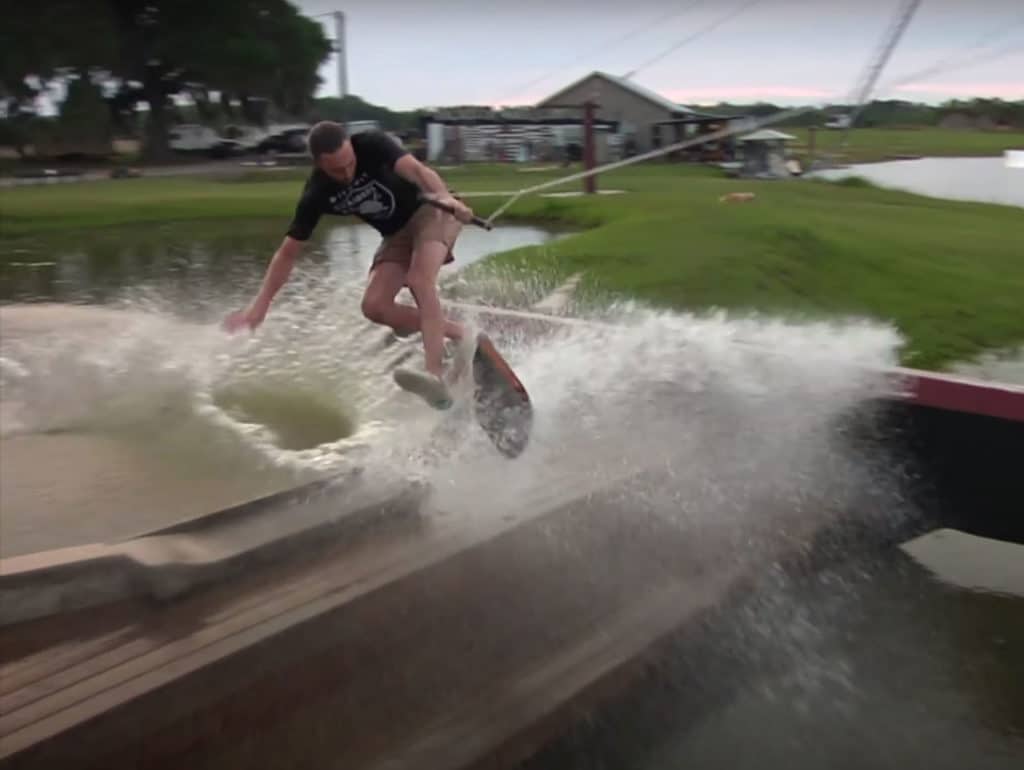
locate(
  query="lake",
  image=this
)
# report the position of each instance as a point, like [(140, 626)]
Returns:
[(203, 259), (985, 180)]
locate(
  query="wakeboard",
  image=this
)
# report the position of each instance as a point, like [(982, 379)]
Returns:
[(502, 405)]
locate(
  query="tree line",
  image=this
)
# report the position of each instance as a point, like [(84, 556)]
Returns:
[(119, 67), (111, 57), (992, 113), (893, 113)]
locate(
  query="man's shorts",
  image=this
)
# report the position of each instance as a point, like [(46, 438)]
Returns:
[(429, 223)]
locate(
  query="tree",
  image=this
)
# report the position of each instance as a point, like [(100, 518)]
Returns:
[(303, 49), (149, 51), (42, 41), (84, 126), (352, 107), (274, 55)]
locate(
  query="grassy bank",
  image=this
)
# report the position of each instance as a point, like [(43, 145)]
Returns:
[(42, 209), (948, 274), (868, 145)]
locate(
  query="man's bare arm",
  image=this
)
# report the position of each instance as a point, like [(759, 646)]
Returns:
[(277, 274), (430, 182)]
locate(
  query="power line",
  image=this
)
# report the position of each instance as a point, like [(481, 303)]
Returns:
[(612, 43), (887, 46), (997, 32), (690, 38), (955, 60), (938, 69), (876, 65)]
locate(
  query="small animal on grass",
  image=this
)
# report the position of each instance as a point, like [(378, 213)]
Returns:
[(737, 197)]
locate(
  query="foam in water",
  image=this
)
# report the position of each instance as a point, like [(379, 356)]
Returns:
[(735, 408), (742, 417), (742, 420)]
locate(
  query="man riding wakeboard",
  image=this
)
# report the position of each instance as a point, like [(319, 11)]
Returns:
[(369, 175)]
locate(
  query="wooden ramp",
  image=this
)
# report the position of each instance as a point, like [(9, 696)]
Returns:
[(458, 637), (465, 634)]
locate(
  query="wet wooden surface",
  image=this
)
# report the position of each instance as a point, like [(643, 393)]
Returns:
[(463, 634)]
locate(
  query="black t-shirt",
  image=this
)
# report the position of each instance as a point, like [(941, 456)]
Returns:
[(377, 195)]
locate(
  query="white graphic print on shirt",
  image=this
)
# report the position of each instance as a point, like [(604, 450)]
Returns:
[(366, 197)]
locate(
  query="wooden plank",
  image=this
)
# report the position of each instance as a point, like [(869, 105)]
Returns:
[(959, 394), (391, 663), (51, 661), (515, 717), (74, 696), (520, 714), (107, 662)]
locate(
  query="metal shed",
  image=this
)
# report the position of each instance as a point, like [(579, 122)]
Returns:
[(764, 154)]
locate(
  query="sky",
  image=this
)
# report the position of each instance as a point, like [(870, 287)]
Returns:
[(405, 54)]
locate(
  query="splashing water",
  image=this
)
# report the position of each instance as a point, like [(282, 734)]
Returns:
[(732, 408), (290, 394), (742, 418)]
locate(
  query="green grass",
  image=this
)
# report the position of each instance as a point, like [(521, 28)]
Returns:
[(39, 209), (949, 275), (35, 209), (875, 144)]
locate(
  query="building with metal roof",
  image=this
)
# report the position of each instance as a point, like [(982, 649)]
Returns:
[(516, 134), (637, 110)]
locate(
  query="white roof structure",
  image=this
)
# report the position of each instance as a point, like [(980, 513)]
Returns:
[(627, 84), (766, 135)]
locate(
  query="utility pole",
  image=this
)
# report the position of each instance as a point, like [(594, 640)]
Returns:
[(589, 139), (589, 149), (339, 34), (342, 49)]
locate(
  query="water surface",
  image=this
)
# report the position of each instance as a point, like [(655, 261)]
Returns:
[(984, 180)]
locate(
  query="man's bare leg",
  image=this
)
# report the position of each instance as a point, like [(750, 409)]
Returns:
[(386, 280), (422, 281), (379, 306)]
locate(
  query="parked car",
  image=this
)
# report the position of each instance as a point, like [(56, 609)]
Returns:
[(196, 138), (358, 126), (838, 122), (284, 139), (247, 138)]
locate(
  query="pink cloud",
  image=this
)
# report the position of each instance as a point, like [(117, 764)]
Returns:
[(965, 90), (746, 93), (519, 101)]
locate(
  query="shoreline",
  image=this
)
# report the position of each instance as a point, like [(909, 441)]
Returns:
[(942, 271)]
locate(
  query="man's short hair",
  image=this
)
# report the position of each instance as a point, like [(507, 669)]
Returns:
[(325, 137)]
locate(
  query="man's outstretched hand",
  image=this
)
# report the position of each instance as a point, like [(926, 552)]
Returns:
[(249, 318)]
